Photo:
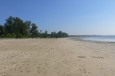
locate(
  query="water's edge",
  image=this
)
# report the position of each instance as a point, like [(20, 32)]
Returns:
[(102, 39)]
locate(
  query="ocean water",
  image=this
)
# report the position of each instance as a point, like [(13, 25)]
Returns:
[(107, 38)]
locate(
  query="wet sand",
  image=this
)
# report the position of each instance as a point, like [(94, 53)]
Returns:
[(56, 57)]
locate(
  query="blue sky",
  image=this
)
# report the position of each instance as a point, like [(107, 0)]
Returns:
[(72, 16)]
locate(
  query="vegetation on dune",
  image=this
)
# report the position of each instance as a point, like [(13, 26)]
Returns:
[(15, 27)]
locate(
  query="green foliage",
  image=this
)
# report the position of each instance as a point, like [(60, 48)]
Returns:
[(60, 34), (15, 27), (2, 30), (33, 31), (53, 35), (10, 35), (45, 35)]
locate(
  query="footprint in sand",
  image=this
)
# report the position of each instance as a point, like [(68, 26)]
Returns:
[(81, 56), (21, 71), (38, 69), (83, 70), (98, 57), (4, 67), (28, 71), (5, 74), (20, 67)]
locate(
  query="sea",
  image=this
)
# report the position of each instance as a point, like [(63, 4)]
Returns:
[(99, 38)]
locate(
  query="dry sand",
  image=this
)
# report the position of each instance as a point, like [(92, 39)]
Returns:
[(56, 57)]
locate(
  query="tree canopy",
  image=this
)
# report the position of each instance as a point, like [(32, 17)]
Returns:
[(14, 27)]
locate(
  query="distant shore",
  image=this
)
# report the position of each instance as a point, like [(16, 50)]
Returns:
[(56, 57), (100, 39)]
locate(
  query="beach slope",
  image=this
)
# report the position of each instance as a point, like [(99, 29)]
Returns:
[(56, 57)]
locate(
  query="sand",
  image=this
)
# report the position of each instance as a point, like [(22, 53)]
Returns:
[(56, 57)]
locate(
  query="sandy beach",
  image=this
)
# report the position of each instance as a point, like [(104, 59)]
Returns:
[(56, 57)]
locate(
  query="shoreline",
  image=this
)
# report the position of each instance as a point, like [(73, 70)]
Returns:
[(78, 39)]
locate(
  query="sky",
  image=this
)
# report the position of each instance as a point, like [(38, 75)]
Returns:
[(76, 17)]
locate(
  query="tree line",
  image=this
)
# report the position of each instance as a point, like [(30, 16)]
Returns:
[(14, 27)]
